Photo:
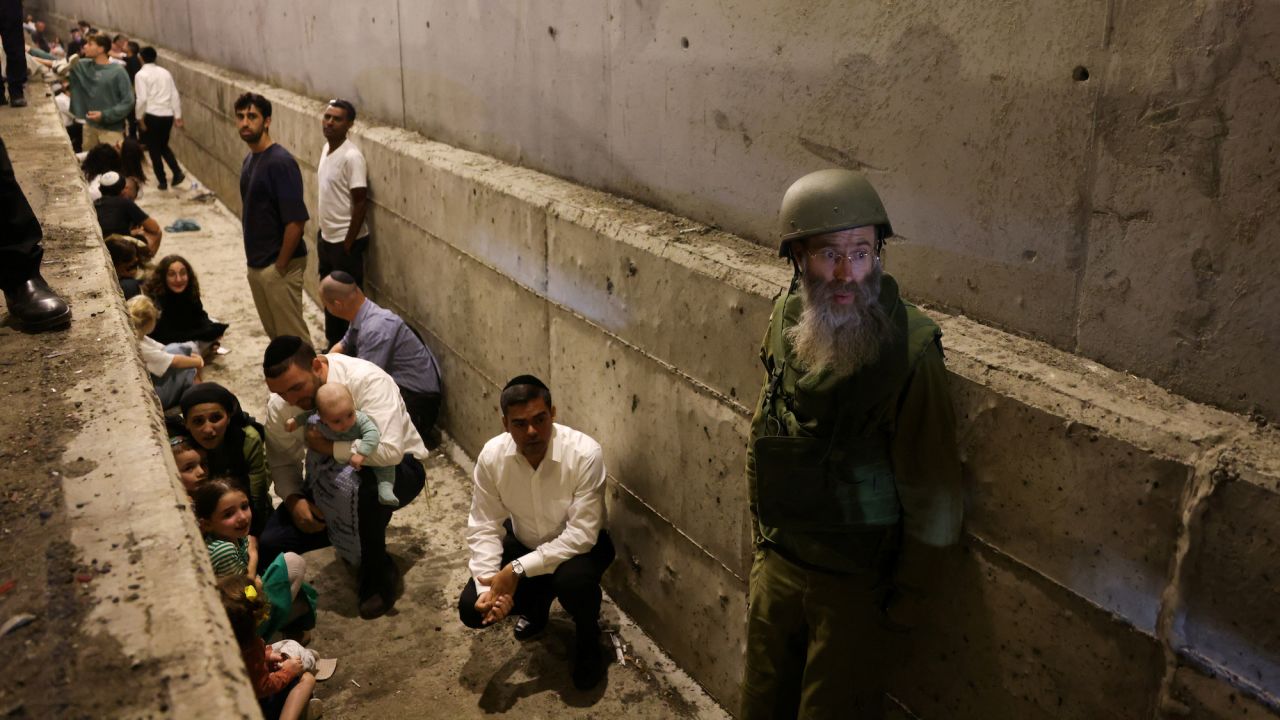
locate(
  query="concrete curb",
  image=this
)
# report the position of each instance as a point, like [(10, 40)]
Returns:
[(145, 584)]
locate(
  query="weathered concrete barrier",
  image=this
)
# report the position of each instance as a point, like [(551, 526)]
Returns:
[(1118, 537), (104, 549)]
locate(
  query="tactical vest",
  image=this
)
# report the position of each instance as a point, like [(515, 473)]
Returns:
[(822, 443)]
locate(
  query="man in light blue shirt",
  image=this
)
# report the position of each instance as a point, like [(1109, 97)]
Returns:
[(384, 339)]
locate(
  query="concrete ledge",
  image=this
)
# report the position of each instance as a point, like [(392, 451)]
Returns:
[(1098, 501), (134, 626)]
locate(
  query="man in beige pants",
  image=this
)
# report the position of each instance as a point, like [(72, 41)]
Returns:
[(273, 215)]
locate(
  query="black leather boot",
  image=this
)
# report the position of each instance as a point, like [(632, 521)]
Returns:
[(36, 307)]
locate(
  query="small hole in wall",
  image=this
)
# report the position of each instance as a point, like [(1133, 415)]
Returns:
[(684, 42), (1080, 74), (551, 31)]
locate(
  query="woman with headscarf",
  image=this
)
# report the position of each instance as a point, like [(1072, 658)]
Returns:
[(233, 443)]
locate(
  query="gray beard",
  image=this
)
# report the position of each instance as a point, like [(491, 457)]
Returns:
[(840, 338)]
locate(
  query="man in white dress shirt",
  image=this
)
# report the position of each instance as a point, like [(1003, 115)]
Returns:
[(536, 526), (302, 523), (159, 110)]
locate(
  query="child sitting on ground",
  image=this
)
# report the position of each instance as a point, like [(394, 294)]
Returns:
[(186, 455), (223, 514), (340, 420), (173, 367), (124, 257), (281, 684)]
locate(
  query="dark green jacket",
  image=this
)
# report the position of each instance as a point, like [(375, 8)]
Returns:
[(902, 429)]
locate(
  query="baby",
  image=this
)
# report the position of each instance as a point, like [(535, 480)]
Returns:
[(339, 420)]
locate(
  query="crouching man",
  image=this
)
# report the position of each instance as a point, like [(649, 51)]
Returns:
[(536, 526)]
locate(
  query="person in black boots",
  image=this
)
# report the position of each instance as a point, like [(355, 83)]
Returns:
[(15, 51), (31, 303)]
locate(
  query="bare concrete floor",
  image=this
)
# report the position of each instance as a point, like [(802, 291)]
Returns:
[(418, 661)]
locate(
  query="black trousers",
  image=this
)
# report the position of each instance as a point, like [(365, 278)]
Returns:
[(15, 50), (575, 583), (75, 131), (20, 234), (156, 138), (377, 574), (332, 257), (424, 409)]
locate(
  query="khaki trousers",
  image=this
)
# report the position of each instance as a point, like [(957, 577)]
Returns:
[(279, 299), (94, 136), (816, 647)]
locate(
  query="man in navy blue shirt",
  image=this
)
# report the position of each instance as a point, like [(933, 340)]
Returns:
[(273, 215), (384, 339)]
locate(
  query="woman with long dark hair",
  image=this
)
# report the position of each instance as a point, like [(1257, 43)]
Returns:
[(176, 291), (99, 160), (131, 160)]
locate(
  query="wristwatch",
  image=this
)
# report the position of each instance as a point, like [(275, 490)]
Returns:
[(517, 568)]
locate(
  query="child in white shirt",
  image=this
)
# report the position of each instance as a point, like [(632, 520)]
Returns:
[(174, 367)]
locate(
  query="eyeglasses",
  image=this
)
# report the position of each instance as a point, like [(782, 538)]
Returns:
[(829, 257)]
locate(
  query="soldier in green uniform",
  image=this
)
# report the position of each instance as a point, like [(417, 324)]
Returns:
[(852, 468)]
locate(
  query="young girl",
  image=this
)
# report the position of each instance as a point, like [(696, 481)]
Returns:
[(173, 368), (223, 513), (176, 291), (282, 688), (191, 470), (124, 256)]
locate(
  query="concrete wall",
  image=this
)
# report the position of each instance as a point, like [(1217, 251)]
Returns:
[(1095, 174), (1116, 532), (108, 555)]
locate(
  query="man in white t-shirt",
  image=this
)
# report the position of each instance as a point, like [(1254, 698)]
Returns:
[(344, 197)]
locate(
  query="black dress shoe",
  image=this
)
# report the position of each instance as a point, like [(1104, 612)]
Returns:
[(372, 607), (528, 629), (36, 307), (17, 101), (177, 180), (588, 661)]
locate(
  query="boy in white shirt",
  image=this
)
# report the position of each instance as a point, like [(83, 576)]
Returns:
[(159, 109)]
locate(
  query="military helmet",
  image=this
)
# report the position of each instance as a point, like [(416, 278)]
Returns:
[(829, 200)]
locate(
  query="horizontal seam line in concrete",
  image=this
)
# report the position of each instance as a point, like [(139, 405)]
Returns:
[(1007, 557), (698, 385), (1254, 691), (680, 532)]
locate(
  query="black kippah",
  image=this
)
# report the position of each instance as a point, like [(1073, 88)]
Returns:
[(342, 277), (526, 380), (280, 349)]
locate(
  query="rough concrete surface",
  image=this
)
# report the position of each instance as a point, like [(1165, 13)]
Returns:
[(650, 309), (98, 543), (1095, 174), (1105, 546)]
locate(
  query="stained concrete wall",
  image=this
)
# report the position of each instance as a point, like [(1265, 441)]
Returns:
[(1099, 175), (1116, 532), (127, 621)]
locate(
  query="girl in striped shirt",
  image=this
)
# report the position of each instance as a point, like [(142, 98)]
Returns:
[(224, 515)]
